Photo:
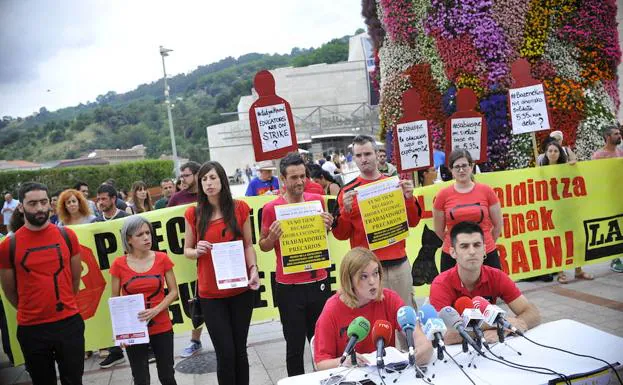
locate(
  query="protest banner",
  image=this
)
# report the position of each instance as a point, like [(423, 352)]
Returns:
[(466, 128), (271, 121), (382, 207), (554, 218), (413, 144), (303, 244)]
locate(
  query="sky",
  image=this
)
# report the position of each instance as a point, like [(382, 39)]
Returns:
[(59, 53)]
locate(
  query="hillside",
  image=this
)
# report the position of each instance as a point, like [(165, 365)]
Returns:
[(139, 116)]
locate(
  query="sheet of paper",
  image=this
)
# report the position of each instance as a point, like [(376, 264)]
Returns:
[(391, 355), (230, 267), (126, 327)]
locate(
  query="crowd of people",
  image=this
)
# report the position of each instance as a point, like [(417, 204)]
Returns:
[(374, 283)]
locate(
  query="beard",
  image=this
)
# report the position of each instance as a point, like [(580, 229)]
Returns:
[(37, 219)]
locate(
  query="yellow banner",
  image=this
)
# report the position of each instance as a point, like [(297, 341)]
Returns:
[(382, 207), (555, 218), (304, 245)]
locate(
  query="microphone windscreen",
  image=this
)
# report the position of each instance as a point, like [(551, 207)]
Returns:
[(382, 329), (463, 303), (406, 317), (427, 312), (480, 303), (359, 327), (450, 317)]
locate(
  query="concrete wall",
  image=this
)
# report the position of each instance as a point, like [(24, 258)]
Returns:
[(230, 145)]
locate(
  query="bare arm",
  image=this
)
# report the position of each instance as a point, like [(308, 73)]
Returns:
[(9, 286), (190, 251), (115, 286), (439, 223), (527, 315), (495, 212), (249, 254), (171, 296), (270, 237), (76, 272), (424, 348)]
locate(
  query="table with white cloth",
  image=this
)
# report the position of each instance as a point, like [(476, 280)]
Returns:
[(564, 334)]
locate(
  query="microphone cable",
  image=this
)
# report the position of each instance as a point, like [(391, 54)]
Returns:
[(578, 355), (457, 364), (506, 362)]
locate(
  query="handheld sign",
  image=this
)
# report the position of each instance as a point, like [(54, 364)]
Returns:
[(383, 211), (466, 128), (270, 117), (412, 138), (526, 101), (304, 245)]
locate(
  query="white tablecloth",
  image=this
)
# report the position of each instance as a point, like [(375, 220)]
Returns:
[(565, 334)]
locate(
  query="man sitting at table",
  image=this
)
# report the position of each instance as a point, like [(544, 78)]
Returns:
[(471, 278), (362, 294)]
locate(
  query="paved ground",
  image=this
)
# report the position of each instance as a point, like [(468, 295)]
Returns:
[(597, 303)]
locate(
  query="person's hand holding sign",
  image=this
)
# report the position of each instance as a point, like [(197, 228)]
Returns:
[(147, 314), (254, 278), (327, 218), (407, 188), (203, 247), (348, 200), (274, 232)]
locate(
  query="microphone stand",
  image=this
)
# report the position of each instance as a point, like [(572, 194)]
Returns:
[(500, 330), (353, 358)]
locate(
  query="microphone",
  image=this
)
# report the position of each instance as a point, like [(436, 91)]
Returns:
[(381, 335), (452, 320), (358, 329), (472, 318), (433, 328), (407, 321), (494, 315)]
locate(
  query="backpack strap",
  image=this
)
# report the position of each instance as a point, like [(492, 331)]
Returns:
[(12, 245), (67, 240)]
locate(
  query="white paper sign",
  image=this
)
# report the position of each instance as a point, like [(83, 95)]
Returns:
[(528, 109), (126, 327), (298, 210), (466, 134), (372, 190), (413, 144), (230, 267), (274, 127)]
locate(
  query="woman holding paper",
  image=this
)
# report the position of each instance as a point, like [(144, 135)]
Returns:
[(227, 312), (467, 200), (143, 271), (361, 294)]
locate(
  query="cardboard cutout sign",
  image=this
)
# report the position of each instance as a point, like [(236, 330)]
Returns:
[(466, 128), (412, 138), (527, 102), (270, 117)]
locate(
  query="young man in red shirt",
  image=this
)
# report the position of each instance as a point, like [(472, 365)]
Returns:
[(40, 273), (470, 278), (349, 224), (300, 297)]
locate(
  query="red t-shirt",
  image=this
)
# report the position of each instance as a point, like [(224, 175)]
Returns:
[(313, 187), (268, 217), (472, 206), (331, 338), (350, 225), (150, 284), (39, 255), (494, 283), (216, 232)]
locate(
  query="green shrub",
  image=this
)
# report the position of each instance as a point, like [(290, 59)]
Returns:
[(149, 171)]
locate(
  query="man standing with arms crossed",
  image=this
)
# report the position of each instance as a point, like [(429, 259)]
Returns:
[(349, 224), (301, 296), (40, 272)]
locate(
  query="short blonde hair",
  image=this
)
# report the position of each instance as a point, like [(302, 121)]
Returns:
[(352, 265)]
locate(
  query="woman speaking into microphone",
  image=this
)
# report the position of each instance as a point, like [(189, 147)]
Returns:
[(361, 294)]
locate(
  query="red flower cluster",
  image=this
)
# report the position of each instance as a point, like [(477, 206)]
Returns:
[(422, 79), (458, 55)]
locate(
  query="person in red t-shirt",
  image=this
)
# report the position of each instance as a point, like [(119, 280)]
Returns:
[(361, 294), (227, 312), (467, 200), (40, 272), (349, 224), (299, 296), (143, 271), (470, 278)]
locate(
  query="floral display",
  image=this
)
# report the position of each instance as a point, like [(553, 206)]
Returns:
[(440, 46)]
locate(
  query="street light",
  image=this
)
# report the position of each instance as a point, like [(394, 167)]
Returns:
[(176, 162)]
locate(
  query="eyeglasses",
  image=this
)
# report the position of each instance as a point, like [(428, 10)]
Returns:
[(186, 175), (459, 167)]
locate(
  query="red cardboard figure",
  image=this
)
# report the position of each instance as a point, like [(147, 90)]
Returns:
[(272, 125), (412, 137), (466, 128), (89, 296), (527, 101)]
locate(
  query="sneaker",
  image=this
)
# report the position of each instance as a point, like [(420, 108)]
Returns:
[(616, 265), (112, 360), (191, 349)]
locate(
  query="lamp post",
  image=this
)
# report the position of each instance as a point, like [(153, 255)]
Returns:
[(176, 162)]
